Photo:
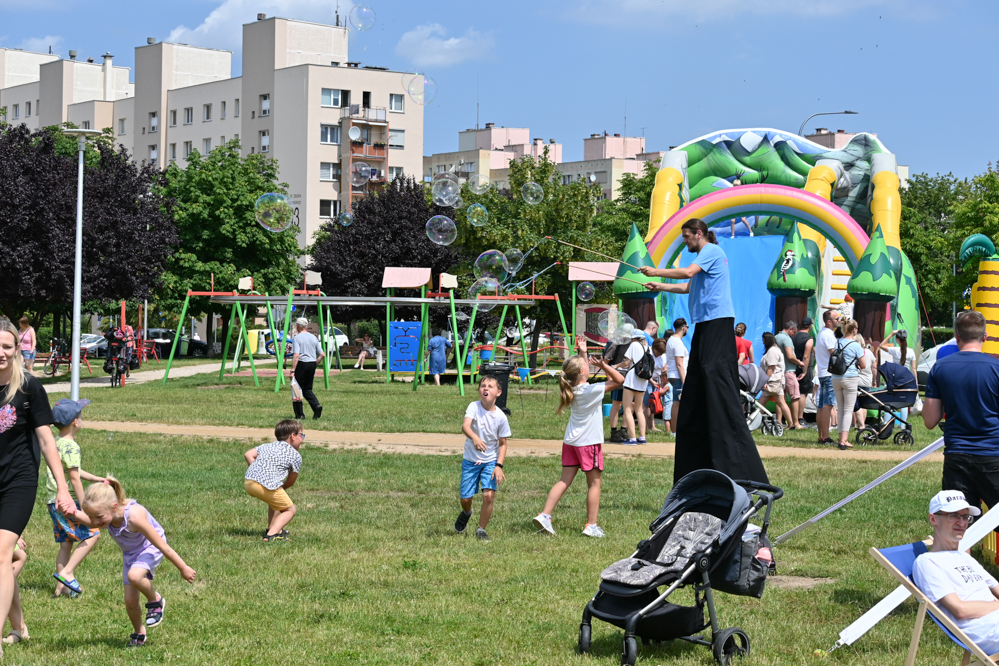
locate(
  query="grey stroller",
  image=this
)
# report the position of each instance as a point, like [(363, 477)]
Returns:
[(700, 538), (752, 380)]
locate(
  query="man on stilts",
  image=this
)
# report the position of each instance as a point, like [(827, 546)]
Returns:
[(711, 428)]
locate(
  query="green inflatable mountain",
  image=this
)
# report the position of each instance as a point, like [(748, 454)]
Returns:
[(636, 254), (874, 278), (794, 272)]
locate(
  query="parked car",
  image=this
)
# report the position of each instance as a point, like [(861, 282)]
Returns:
[(926, 361), (93, 345), (264, 337), (163, 337)]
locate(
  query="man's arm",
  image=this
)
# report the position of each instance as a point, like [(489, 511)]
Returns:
[(294, 362), (789, 352), (807, 360), (681, 362), (684, 273), (968, 610), (932, 412), (673, 288)]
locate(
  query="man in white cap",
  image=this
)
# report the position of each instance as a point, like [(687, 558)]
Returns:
[(952, 578), (306, 352)]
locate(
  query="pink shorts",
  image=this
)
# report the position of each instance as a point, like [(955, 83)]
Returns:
[(791, 388), (586, 458)]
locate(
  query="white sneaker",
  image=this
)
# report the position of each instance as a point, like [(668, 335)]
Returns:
[(544, 524), (593, 531)]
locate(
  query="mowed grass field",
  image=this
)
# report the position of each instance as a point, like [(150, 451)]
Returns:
[(374, 574)]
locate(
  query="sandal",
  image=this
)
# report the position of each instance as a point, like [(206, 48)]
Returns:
[(16, 636), (73, 585), (136, 640), (827, 440), (154, 612), (280, 536)]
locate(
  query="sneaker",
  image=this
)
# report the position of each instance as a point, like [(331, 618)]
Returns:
[(616, 437), (641, 440), (481, 534), (630, 442), (544, 524), (154, 612), (462, 521), (593, 531), (136, 640)]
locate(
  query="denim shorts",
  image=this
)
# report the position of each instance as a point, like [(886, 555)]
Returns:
[(28, 355), (677, 387), (827, 397), (617, 395), (473, 475)]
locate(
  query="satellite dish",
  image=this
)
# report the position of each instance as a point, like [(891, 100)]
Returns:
[(593, 177), (354, 133)]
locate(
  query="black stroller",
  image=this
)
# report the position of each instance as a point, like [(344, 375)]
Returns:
[(700, 538), (752, 380), (900, 391)]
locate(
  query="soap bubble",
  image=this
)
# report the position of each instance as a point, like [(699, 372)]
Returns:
[(458, 203), (362, 18), (407, 77), (532, 193), (492, 263), (274, 212), (445, 191), (479, 184), (346, 219), (486, 286), (615, 326), (585, 291), (360, 173), (477, 215), (515, 258), (421, 88), (441, 230), (445, 175)]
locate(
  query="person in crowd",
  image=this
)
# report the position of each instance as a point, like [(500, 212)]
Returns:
[(865, 375), (900, 353), (712, 432), (651, 328), (582, 446), (824, 346), (368, 350), (844, 309), (25, 437), (272, 469), (29, 343), (486, 430), (676, 367), (964, 389), (437, 351), (773, 364), (634, 390), (803, 344), (306, 353), (792, 389), (655, 385), (743, 346), (845, 385), (745, 222)]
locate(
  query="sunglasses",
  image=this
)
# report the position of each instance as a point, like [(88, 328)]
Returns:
[(301, 434)]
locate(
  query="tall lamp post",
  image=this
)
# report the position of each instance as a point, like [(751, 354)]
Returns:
[(81, 143), (825, 113)]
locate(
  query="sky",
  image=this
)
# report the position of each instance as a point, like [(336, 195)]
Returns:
[(921, 74)]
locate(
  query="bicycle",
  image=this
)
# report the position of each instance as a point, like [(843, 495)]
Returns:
[(59, 354), (119, 359)]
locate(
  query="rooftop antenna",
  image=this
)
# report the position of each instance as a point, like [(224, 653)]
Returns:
[(626, 117), (476, 101), (338, 13)]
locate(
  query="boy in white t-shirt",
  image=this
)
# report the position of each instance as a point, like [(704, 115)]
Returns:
[(486, 429)]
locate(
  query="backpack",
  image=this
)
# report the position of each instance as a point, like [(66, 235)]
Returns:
[(614, 353), (645, 366), (837, 361)]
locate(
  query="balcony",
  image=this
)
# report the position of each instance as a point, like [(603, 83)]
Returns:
[(358, 113), (369, 150)]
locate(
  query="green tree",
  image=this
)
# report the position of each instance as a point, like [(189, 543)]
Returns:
[(632, 205), (212, 203), (976, 213)]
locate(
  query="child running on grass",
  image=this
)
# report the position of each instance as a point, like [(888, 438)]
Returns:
[(67, 416), (143, 546), (582, 447), (486, 429), (273, 468), (18, 629)]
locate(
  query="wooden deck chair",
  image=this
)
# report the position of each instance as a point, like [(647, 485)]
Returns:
[(899, 560)]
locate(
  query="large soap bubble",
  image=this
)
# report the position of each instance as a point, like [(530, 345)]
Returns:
[(486, 286), (479, 184), (458, 203), (585, 291), (444, 191), (422, 89), (532, 193), (441, 230), (515, 258), (362, 18), (492, 263), (360, 173), (477, 215), (274, 212), (615, 326), (346, 219), (445, 175)]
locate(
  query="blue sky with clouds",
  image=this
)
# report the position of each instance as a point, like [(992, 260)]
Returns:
[(921, 74)]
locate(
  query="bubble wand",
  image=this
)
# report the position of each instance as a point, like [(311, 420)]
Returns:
[(616, 277), (599, 254)]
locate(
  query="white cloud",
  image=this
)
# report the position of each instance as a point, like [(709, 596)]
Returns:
[(40, 44), (617, 10), (427, 46)]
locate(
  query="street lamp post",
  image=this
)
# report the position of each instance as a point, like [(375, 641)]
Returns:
[(81, 143), (825, 113)]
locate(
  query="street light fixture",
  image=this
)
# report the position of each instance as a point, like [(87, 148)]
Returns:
[(825, 113), (81, 144)]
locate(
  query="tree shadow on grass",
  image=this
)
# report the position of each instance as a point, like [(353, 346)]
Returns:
[(608, 645)]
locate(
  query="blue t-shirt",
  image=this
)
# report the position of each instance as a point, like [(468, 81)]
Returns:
[(852, 351), (968, 385), (649, 338), (710, 292)]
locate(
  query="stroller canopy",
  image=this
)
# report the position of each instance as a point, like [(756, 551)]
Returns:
[(897, 377), (707, 491), (751, 379)]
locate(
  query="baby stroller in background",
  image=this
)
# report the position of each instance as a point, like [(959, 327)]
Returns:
[(700, 538), (752, 380), (900, 391)]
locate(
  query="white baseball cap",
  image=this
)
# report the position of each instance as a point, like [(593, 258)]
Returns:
[(302, 321), (950, 501)]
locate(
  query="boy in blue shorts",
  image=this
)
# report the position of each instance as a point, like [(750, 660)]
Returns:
[(486, 429)]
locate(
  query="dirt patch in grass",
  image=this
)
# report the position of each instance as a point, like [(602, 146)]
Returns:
[(798, 582)]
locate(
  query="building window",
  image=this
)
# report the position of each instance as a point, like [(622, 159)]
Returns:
[(38, 107), (440, 168), (329, 134), (152, 154), (331, 97), (153, 122), (265, 106), (235, 137), (236, 109), (173, 152), (188, 147), (469, 167), (206, 115), (394, 172), (86, 124), (173, 117), (222, 111), (329, 208), (567, 180), (189, 115), (222, 140), (265, 141), (206, 145), (329, 171), (396, 103), (366, 99), (121, 126), (27, 109), (17, 111), (397, 138)]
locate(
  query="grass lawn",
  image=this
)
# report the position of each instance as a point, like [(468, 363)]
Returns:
[(97, 365), (375, 575), (362, 401)]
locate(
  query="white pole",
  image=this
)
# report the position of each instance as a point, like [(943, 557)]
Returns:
[(74, 391)]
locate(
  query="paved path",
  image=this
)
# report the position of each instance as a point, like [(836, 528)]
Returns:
[(449, 444), (144, 376)]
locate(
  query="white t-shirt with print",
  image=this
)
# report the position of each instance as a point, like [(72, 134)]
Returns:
[(941, 573), (674, 348), (825, 342), (489, 426), (586, 417), (634, 354), (657, 373)]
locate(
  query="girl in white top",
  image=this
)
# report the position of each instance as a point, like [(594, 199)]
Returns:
[(773, 364), (634, 389), (866, 375), (582, 447)]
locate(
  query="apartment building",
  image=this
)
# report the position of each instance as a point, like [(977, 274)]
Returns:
[(300, 100)]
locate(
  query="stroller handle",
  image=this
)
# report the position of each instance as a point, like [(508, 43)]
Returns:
[(756, 485)]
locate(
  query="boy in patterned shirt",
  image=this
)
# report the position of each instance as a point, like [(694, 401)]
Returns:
[(273, 468)]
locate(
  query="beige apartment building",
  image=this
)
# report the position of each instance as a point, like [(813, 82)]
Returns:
[(297, 101)]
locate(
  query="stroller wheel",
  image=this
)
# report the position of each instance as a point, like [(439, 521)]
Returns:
[(903, 438), (729, 644), (629, 654), (778, 430), (867, 437), (767, 430), (584, 638)]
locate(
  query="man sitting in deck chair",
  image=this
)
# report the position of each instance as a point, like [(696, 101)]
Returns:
[(953, 579)]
